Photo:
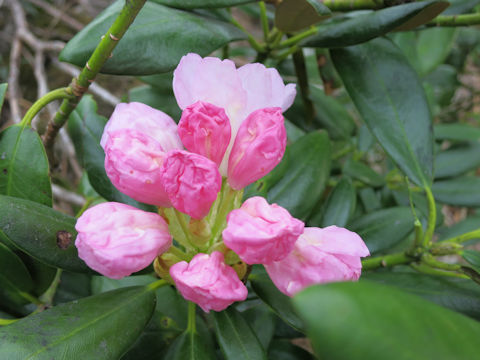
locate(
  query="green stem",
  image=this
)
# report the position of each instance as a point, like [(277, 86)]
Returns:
[(84, 207), (475, 234), (178, 253), (282, 56), (191, 326), (297, 38), (264, 19), (386, 261), (259, 48), (101, 54), (431, 271), (49, 294), (348, 5), (62, 93), (31, 298), (456, 20), (432, 217), (157, 284), (430, 260), (183, 224), (4, 322)]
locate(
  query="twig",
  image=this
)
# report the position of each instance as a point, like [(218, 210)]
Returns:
[(13, 88), (57, 14), (68, 196)]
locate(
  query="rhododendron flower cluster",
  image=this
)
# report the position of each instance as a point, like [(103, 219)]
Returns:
[(231, 133)]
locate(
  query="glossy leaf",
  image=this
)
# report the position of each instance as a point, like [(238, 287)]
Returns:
[(154, 43), (394, 107), (331, 115), (433, 46), (340, 204), (459, 295), (384, 228), (388, 322), (358, 28), (294, 15), (24, 170), (285, 350), (83, 329), (270, 295), (306, 175), (363, 173), (14, 277), (200, 4), (461, 191), (473, 258), (86, 127), (235, 336), (156, 98), (190, 346), (457, 161), (458, 132), (3, 90), (38, 230), (262, 321)]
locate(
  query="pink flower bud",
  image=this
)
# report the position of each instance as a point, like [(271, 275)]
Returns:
[(133, 162), (208, 282), (320, 256), (191, 181), (144, 119), (117, 239), (261, 233), (259, 146), (205, 129)]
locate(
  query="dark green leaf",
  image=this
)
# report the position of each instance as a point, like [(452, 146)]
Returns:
[(280, 303), (154, 43), (285, 350), (306, 175), (384, 320), (433, 46), (358, 28), (24, 170), (294, 15), (15, 279), (87, 129), (83, 329), (443, 82), (457, 161), (460, 6), (200, 4), (391, 100), (461, 191), (236, 338), (458, 132), (473, 258), (384, 228), (332, 115), (73, 286), (339, 206), (3, 90), (370, 200), (262, 320), (38, 230), (459, 295), (42, 275), (363, 173), (190, 346)]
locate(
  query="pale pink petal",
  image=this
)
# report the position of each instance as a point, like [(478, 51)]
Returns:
[(261, 233), (209, 80), (314, 261), (117, 239), (208, 282), (144, 119), (133, 164), (265, 88)]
